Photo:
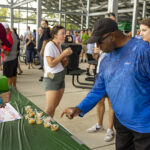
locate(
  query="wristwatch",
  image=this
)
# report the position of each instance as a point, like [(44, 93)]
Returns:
[(1, 101)]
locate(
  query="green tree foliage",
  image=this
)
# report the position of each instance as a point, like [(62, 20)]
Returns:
[(4, 12), (70, 26), (16, 15), (31, 16)]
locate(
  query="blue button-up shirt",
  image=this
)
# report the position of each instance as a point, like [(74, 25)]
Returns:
[(125, 76)]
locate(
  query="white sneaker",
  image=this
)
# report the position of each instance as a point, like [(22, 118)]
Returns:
[(109, 135), (95, 128)]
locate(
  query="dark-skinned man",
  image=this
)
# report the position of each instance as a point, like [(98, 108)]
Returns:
[(125, 76)]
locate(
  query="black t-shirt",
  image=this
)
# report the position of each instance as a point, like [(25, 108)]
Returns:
[(69, 39), (18, 45), (40, 43), (30, 46), (46, 34)]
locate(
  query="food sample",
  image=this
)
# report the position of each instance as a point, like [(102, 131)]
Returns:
[(38, 121), (28, 109), (27, 116), (47, 119), (47, 125), (31, 121), (31, 113), (40, 114), (54, 127)]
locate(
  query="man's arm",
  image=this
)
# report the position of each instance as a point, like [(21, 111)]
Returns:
[(93, 97)]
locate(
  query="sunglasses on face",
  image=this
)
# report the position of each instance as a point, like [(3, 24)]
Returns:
[(103, 38)]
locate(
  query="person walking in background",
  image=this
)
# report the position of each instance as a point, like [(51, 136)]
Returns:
[(98, 127), (90, 47), (40, 42), (10, 57), (14, 30), (34, 34), (54, 75), (78, 39), (69, 37), (26, 34), (101, 104), (84, 38), (46, 36), (30, 45), (3, 41)]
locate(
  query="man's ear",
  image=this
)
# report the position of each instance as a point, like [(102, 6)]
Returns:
[(112, 36)]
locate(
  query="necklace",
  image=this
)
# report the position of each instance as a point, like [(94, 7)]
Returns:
[(57, 46)]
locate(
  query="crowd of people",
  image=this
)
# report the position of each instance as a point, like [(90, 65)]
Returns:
[(122, 74)]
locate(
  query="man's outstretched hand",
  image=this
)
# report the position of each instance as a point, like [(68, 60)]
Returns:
[(71, 112)]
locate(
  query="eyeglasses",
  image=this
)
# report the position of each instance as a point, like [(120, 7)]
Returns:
[(102, 39)]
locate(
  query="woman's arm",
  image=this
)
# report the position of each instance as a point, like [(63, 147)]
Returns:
[(28, 42), (33, 41), (52, 62)]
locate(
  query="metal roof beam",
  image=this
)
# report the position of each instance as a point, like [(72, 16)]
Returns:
[(45, 10), (22, 3), (105, 12)]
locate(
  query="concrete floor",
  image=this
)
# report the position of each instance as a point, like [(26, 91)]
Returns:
[(30, 87)]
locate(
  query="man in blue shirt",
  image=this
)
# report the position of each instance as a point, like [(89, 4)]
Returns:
[(125, 76)]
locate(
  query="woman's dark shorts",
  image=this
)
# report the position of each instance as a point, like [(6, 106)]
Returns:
[(10, 68), (58, 82)]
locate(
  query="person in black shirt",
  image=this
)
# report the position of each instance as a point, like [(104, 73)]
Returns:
[(30, 44), (40, 43), (46, 36), (18, 49), (68, 38)]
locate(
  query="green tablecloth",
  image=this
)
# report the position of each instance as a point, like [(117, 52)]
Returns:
[(19, 135)]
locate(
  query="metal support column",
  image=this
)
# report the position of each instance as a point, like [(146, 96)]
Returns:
[(81, 22), (38, 19), (113, 7), (65, 21), (134, 20), (19, 21), (87, 16), (60, 5), (144, 10), (27, 15), (11, 15)]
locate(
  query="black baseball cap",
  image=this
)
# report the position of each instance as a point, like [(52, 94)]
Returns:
[(101, 27)]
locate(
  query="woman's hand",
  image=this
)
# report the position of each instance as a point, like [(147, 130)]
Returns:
[(67, 52), (65, 61)]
